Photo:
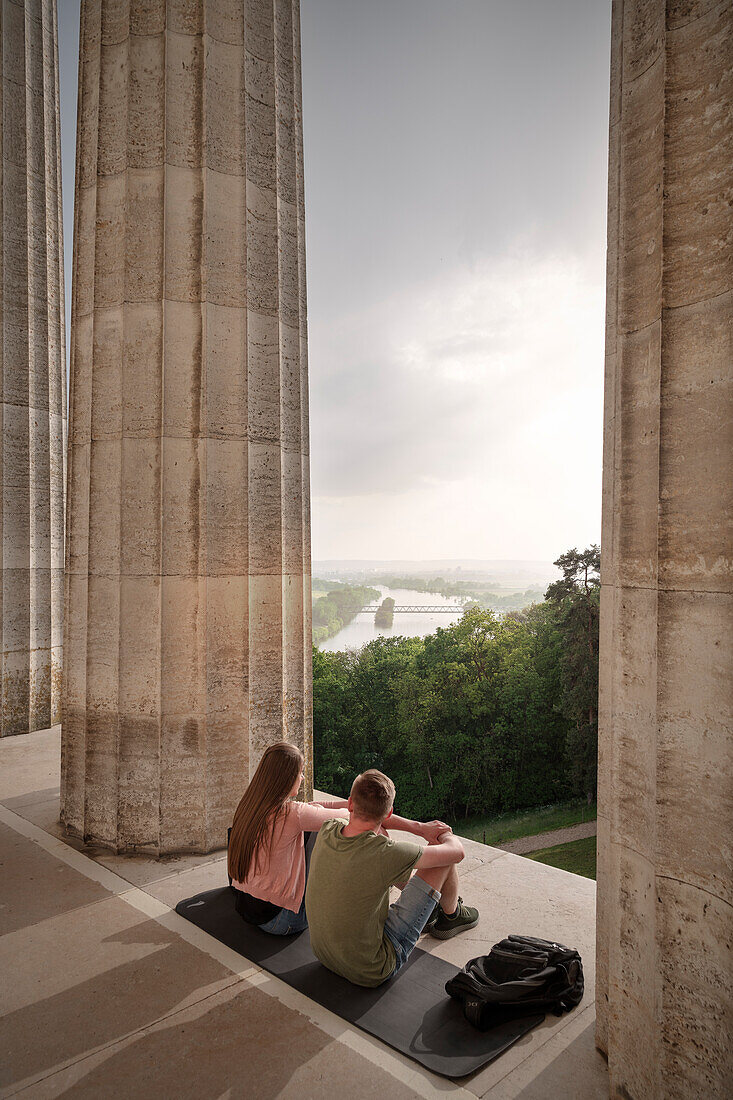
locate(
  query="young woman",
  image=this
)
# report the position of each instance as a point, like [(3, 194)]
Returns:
[(267, 858)]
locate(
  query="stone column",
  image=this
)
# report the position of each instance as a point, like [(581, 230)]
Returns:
[(33, 370), (188, 631), (665, 785)]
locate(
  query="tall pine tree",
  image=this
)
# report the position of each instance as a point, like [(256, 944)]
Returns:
[(576, 597)]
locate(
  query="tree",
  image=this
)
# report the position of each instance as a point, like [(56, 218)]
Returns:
[(580, 570), (384, 615), (576, 598)]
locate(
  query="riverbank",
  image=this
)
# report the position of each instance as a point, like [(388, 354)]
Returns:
[(338, 607)]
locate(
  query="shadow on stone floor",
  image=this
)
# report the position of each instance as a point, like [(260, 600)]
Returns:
[(243, 1046), (580, 1070), (36, 886), (18, 802), (101, 1009)]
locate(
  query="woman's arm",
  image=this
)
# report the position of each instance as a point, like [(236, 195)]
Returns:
[(311, 816), (333, 804)]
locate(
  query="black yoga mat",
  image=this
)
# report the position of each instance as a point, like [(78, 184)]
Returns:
[(411, 1012)]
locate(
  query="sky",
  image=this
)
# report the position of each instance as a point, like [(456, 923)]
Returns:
[(455, 177)]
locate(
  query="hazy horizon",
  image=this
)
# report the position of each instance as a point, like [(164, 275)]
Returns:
[(503, 573), (455, 563)]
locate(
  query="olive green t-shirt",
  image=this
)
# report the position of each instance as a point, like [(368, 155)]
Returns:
[(347, 898)]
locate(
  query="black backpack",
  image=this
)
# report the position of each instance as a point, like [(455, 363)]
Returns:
[(521, 976)]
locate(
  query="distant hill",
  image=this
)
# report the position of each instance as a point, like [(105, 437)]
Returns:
[(503, 572)]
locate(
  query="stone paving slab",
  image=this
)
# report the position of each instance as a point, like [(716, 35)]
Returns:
[(185, 884), (36, 886), (572, 1067), (42, 809), (144, 870), (30, 762), (32, 798)]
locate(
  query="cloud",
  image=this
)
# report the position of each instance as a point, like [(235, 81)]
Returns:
[(464, 391)]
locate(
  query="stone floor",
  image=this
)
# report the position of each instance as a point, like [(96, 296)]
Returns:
[(108, 992)]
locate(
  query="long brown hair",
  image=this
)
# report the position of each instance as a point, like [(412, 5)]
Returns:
[(261, 806)]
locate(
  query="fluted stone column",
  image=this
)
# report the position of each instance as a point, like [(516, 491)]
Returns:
[(33, 370), (188, 633), (665, 786)]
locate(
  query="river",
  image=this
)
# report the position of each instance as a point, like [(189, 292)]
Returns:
[(417, 625)]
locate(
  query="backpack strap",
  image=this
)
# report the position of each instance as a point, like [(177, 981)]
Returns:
[(473, 1009)]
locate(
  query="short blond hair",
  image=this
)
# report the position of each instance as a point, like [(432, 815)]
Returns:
[(373, 794)]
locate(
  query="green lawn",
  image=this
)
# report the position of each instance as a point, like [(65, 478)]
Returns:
[(497, 830), (579, 857)]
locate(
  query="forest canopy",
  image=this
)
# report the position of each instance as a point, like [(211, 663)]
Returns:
[(485, 716)]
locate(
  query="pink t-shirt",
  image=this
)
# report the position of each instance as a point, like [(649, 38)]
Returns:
[(281, 879)]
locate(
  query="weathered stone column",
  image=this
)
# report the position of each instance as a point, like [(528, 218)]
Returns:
[(665, 785), (33, 373), (188, 630)]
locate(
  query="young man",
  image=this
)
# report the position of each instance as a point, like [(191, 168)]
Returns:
[(354, 930)]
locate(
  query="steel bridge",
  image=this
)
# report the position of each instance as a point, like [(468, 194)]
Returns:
[(415, 609)]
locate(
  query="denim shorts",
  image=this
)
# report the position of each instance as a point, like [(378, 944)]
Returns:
[(408, 916), (287, 923)]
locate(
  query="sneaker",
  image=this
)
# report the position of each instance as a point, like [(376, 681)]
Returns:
[(432, 918), (443, 927)]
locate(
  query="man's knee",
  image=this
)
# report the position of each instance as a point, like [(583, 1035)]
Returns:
[(435, 876)]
